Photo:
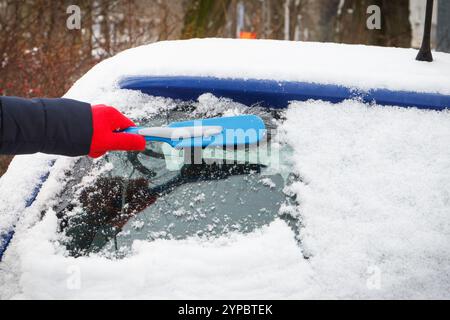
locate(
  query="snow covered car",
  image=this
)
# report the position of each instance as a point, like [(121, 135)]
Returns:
[(349, 198)]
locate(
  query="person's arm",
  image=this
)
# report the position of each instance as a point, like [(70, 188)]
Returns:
[(63, 127)]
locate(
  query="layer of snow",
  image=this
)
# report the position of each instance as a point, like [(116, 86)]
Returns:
[(223, 268), (358, 66), (375, 197), (17, 186)]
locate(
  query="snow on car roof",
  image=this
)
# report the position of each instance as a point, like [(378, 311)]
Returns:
[(358, 66)]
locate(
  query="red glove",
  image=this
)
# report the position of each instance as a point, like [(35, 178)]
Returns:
[(105, 121)]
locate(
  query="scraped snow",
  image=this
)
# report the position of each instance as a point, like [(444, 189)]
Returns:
[(373, 191)]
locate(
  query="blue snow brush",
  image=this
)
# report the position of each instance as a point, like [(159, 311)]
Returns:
[(213, 132)]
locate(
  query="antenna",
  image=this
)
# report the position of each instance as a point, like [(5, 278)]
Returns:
[(425, 50)]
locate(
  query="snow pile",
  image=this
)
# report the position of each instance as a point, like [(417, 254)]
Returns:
[(358, 66), (260, 265), (374, 197)]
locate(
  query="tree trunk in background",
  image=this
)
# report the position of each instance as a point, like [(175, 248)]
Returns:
[(275, 28), (318, 20), (395, 25), (443, 26), (205, 18), (104, 25)]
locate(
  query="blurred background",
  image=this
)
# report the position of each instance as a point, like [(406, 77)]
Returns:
[(40, 56)]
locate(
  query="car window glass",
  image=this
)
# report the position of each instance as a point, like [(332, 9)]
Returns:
[(109, 203)]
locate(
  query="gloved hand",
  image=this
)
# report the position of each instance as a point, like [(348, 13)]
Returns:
[(106, 120)]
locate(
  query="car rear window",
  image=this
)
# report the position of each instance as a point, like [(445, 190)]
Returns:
[(158, 194)]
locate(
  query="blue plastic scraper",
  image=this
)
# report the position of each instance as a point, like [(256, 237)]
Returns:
[(213, 132)]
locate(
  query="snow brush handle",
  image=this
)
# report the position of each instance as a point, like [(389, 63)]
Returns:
[(176, 133)]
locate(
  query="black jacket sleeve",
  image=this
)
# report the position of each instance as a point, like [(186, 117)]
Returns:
[(54, 126)]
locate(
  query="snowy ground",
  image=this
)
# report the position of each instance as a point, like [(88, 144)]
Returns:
[(373, 200)]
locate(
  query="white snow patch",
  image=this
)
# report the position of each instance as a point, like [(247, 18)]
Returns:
[(264, 264), (268, 182), (17, 186), (375, 195), (138, 224)]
